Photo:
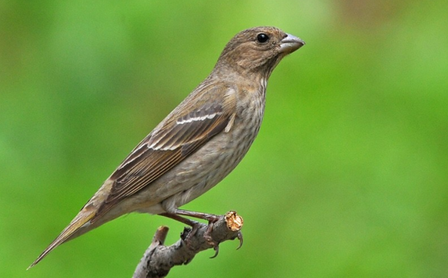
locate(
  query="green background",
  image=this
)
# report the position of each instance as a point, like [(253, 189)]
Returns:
[(347, 178)]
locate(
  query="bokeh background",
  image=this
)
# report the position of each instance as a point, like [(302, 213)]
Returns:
[(347, 178)]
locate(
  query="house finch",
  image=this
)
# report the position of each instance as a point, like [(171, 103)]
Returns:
[(199, 143)]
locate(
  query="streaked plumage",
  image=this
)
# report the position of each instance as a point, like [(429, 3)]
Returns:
[(198, 143)]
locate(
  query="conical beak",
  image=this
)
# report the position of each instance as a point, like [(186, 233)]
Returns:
[(290, 44)]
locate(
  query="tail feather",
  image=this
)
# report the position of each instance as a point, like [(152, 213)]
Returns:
[(74, 229)]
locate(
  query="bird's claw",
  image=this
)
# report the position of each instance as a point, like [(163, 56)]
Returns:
[(213, 243), (188, 233), (209, 239), (240, 238), (216, 248)]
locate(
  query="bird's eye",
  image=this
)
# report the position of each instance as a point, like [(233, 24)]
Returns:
[(262, 38)]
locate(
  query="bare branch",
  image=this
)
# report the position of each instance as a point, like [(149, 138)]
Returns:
[(159, 259)]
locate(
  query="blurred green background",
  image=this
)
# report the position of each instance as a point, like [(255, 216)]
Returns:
[(347, 178)]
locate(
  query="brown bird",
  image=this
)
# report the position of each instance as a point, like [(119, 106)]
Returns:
[(199, 143)]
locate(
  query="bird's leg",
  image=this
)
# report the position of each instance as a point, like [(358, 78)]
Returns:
[(211, 218), (184, 220), (193, 224)]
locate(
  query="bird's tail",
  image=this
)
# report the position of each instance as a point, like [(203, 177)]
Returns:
[(79, 225)]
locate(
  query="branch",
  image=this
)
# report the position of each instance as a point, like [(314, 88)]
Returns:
[(159, 259)]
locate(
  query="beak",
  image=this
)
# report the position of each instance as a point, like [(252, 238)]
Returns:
[(290, 44)]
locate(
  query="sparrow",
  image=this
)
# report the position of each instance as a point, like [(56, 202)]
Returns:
[(198, 144)]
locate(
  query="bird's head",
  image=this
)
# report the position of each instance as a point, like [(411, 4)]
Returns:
[(258, 50)]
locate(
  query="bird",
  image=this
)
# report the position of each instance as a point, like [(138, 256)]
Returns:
[(197, 145)]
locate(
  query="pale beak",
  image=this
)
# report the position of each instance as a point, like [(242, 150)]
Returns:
[(290, 44)]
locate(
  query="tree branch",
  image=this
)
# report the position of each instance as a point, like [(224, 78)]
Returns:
[(159, 259)]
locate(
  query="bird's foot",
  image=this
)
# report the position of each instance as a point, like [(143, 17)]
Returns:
[(215, 244), (208, 237), (189, 233)]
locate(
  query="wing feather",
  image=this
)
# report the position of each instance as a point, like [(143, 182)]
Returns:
[(171, 142)]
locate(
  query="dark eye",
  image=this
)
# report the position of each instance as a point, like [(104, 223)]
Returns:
[(262, 38)]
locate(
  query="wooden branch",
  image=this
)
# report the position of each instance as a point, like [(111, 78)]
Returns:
[(159, 259)]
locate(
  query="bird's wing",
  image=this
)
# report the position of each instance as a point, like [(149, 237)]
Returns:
[(179, 135)]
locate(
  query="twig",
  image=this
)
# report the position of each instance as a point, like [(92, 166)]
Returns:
[(159, 259)]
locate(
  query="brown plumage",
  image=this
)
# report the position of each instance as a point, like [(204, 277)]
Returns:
[(198, 143)]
